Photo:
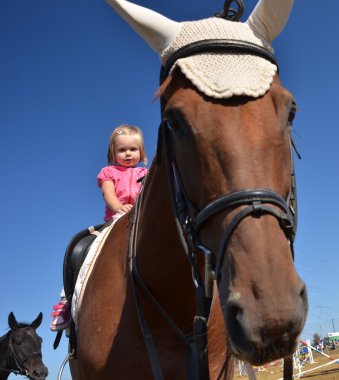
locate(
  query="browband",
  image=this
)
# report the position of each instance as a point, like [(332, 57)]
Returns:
[(216, 46)]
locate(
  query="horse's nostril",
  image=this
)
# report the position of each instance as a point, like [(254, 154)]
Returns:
[(303, 293), (40, 372), (237, 335), (234, 315), (234, 311)]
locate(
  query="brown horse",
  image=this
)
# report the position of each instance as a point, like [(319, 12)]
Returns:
[(259, 303), (201, 269), (20, 350)]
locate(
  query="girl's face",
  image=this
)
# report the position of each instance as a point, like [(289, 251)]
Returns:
[(126, 150)]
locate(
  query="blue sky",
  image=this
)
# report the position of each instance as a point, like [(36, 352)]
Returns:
[(70, 71)]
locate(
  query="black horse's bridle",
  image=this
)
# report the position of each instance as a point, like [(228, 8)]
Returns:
[(18, 360), (189, 220)]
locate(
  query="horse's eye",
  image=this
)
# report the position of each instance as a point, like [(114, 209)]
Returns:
[(172, 125), (18, 343), (174, 119)]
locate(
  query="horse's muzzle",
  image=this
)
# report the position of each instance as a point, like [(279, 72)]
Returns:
[(39, 373), (260, 334)]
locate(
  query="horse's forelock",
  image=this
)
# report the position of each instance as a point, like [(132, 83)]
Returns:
[(22, 325), (163, 87)]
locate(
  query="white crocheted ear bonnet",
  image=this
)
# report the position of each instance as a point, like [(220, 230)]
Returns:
[(217, 75), (222, 75)]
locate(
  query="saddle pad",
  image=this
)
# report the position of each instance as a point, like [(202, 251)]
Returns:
[(221, 75), (87, 267)]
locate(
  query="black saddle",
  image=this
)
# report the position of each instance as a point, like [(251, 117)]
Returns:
[(75, 255)]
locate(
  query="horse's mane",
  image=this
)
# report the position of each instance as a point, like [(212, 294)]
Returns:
[(4, 337)]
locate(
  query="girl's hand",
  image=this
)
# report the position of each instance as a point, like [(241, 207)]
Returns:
[(124, 208)]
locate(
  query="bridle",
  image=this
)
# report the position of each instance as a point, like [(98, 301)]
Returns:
[(189, 220), (18, 367), (257, 202)]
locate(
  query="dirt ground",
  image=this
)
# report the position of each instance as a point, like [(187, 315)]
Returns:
[(274, 372)]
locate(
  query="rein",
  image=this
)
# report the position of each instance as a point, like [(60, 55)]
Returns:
[(16, 372), (189, 221), (193, 364)]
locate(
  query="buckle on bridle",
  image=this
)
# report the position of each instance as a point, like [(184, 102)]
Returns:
[(286, 223), (257, 209), (209, 270)]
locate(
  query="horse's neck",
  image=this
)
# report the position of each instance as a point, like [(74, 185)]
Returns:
[(160, 255), (156, 215), (161, 249), (4, 356)]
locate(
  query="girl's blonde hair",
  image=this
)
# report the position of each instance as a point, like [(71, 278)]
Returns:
[(125, 129)]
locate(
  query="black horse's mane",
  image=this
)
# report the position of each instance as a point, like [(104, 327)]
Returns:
[(4, 338), (20, 325)]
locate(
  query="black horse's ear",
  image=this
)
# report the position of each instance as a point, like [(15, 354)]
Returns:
[(37, 322), (12, 322)]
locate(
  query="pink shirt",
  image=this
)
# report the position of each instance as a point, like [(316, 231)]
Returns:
[(125, 184)]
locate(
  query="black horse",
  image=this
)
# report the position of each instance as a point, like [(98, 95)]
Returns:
[(20, 350)]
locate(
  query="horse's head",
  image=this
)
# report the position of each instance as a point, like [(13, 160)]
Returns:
[(25, 348), (226, 127), (225, 147)]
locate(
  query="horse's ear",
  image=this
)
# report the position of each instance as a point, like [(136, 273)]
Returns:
[(37, 322), (12, 322)]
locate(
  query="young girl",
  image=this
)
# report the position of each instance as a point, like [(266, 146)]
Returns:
[(120, 187), (119, 181)]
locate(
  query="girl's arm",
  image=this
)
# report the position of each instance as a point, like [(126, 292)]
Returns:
[(108, 192), (269, 18)]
